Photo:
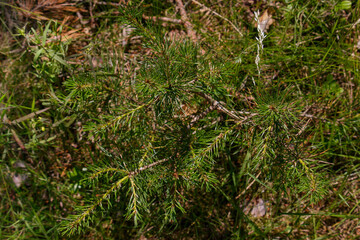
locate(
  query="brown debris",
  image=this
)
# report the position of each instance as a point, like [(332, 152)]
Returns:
[(46, 9), (188, 25)]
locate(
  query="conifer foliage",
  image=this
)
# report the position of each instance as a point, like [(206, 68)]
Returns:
[(177, 126), (185, 127)]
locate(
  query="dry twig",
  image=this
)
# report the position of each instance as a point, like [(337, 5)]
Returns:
[(196, 118), (188, 25), (218, 15), (249, 186), (164, 19), (219, 106), (17, 139), (137, 171)]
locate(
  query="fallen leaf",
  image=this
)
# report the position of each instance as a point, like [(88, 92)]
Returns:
[(265, 21), (259, 209)]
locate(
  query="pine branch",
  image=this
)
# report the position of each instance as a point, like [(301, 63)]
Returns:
[(106, 170), (133, 199), (119, 118), (75, 224)]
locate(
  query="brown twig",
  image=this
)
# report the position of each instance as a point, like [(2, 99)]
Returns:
[(164, 19), (29, 116), (196, 118), (188, 25), (314, 117), (137, 171), (218, 15), (18, 140), (15, 136), (219, 106), (303, 128), (249, 186), (110, 3)]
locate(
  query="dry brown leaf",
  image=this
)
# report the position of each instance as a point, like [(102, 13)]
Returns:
[(265, 20), (259, 209)]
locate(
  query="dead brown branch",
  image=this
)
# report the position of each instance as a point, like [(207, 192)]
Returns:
[(218, 15), (137, 171), (197, 117), (17, 139), (219, 106), (164, 19), (29, 116), (188, 25)]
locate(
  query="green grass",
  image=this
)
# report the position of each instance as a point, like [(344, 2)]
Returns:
[(164, 138)]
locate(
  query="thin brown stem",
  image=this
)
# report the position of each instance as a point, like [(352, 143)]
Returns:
[(197, 117), (219, 106), (137, 171), (164, 19), (188, 25), (218, 15)]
